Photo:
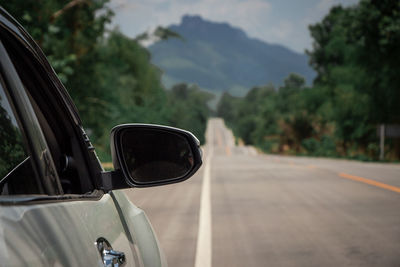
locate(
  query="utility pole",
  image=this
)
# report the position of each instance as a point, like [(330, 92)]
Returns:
[(382, 141)]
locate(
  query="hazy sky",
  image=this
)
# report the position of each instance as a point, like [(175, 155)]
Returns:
[(274, 21)]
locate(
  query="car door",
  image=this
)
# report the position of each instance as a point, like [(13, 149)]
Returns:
[(52, 212)]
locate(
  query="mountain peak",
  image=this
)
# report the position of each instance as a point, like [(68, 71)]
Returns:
[(197, 27), (220, 57), (191, 20)]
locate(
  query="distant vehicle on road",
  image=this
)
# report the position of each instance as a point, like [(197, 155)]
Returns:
[(58, 207)]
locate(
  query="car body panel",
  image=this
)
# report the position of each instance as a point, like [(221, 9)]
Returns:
[(62, 234), (144, 237)]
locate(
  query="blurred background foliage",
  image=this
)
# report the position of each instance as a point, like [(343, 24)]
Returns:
[(355, 53), (108, 75)]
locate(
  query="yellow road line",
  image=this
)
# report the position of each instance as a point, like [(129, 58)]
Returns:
[(370, 182)]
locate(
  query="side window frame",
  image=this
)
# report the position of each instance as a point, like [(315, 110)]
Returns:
[(32, 178), (69, 145), (39, 149)]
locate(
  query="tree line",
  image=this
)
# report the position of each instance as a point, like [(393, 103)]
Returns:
[(356, 56), (108, 75)]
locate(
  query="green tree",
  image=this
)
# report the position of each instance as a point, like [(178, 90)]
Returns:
[(346, 82), (108, 75), (188, 109)]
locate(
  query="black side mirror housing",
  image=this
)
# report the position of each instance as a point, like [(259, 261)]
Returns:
[(150, 155)]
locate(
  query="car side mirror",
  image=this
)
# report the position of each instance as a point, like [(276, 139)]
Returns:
[(150, 155)]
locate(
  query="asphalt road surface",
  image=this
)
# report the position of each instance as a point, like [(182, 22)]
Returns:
[(248, 209)]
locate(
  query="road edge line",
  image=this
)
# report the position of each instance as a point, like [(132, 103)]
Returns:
[(204, 235)]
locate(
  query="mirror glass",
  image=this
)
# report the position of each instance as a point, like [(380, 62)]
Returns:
[(153, 155)]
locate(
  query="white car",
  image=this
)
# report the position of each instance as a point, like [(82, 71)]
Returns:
[(58, 207)]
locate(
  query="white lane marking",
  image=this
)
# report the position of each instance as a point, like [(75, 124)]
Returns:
[(204, 244)]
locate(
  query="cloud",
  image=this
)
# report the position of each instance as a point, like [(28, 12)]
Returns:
[(283, 30), (317, 12), (139, 16), (274, 21)]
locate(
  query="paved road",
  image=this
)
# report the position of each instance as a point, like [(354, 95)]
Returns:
[(277, 211)]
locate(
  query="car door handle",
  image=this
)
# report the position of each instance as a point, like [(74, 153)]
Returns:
[(112, 258)]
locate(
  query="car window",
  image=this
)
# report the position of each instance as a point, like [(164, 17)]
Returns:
[(62, 140), (17, 175)]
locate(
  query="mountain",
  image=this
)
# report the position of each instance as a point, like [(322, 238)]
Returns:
[(219, 57)]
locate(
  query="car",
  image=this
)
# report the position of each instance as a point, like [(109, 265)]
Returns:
[(58, 206)]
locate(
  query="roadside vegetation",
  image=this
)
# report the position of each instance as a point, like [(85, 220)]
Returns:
[(108, 75), (356, 56), (110, 78)]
